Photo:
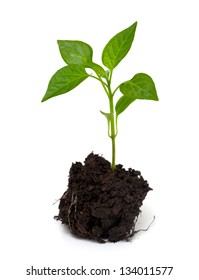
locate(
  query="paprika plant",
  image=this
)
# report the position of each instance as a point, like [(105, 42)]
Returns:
[(78, 56)]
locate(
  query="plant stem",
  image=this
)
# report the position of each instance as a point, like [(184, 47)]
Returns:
[(112, 122), (113, 135)]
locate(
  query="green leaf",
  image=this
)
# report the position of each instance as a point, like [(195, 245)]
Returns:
[(106, 74), (118, 47), (64, 80), (107, 115), (78, 52), (75, 52), (141, 86), (94, 66), (123, 103)]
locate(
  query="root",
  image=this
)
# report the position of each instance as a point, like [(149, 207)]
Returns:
[(145, 228), (56, 201), (73, 202)]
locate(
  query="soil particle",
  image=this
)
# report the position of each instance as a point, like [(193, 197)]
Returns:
[(102, 204)]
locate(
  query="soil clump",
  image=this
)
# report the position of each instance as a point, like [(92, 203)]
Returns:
[(102, 204)]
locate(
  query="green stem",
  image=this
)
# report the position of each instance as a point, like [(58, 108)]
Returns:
[(105, 86), (112, 123), (112, 132), (116, 89), (113, 135)]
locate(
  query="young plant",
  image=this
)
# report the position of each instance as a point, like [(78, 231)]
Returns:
[(78, 57)]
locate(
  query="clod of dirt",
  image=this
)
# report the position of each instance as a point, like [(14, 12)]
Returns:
[(102, 204)]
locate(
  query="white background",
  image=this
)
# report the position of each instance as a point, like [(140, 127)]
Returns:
[(39, 141)]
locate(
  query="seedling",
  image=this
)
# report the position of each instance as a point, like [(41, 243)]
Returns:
[(78, 57)]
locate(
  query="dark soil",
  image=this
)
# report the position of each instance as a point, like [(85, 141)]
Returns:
[(102, 204)]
